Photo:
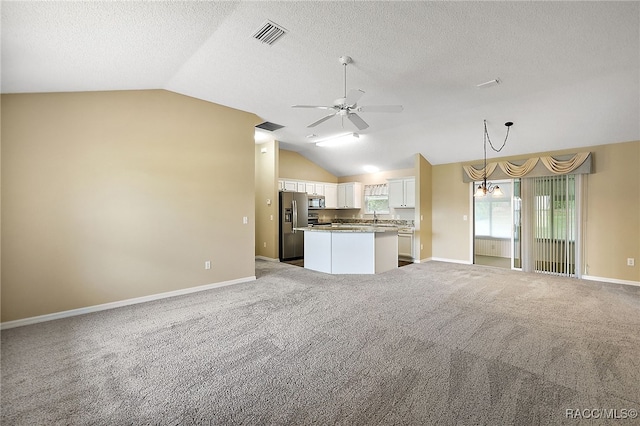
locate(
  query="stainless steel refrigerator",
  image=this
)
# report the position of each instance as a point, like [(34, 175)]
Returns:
[(293, 214)]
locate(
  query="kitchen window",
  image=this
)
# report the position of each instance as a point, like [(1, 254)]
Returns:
[(376, 198)]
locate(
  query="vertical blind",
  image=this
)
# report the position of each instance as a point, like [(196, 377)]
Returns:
[(553, 224)]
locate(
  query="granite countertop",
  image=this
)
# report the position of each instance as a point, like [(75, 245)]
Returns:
[(349, 228)]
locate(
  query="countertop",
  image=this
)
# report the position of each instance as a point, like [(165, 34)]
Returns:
[(349, 228)]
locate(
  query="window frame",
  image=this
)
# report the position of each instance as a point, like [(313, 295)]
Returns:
[(383, 194)]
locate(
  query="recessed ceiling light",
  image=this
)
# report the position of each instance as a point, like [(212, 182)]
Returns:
[(371, 169)]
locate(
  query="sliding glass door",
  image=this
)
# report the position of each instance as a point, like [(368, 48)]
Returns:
[(535, 226), (516, 256), (551, 224), (555, 225)]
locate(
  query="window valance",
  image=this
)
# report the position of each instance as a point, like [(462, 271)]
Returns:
[(538, 166), (379, 189)]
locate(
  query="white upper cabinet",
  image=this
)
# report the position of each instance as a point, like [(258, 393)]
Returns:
[(288, 185), (402, 193), (329, 190), (350, 195), (314, 188), (330, 195)]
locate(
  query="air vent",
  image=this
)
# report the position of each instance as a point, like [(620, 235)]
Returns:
[(269, 32), (267, 125)]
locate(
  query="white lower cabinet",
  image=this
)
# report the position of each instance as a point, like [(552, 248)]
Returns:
[(405, 246), (350, 252)]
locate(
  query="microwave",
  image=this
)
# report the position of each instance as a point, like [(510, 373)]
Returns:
[(315, 202)]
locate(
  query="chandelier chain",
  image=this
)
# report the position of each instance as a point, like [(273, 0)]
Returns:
[(488, 187), (486, 135)]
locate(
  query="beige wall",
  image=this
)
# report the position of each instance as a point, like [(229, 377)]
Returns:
[(108, 196), (294, 166), (613, 212), (612, 229), (451, 234), (267, 189), (424, 220)]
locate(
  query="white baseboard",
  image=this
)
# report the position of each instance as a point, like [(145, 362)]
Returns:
[(103, 307), (584, 277), (268, 259), (610, 280), (442, 259)]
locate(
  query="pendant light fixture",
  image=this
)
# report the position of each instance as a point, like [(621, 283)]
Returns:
[(488, 187)]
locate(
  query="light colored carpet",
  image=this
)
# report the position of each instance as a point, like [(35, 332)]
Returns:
[(430, 343), (498, 262)]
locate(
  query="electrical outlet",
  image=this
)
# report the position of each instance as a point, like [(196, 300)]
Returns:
[(245, 220), (271, 217), (207, 264), (265, 244), (421, 246), (631, 261)]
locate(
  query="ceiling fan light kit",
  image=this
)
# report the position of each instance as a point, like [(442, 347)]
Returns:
[(339, 140), (347, 106)]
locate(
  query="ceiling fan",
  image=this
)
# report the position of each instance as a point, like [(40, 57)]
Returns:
[(347, 106)]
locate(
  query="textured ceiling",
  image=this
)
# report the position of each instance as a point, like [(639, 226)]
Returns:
[(570, 71)]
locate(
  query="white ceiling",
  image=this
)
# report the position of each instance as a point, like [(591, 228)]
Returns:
[(570, 71)]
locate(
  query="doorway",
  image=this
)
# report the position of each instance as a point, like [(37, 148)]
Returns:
[(493, 227)]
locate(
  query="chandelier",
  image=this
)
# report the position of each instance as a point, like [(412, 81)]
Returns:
[(488, 187)]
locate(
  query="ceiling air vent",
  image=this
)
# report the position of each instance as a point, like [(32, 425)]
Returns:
[(269, 32), (267, 125)]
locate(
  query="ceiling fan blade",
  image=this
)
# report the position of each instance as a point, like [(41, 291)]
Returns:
[(380, 108), (322, 120), (353, 96), (313, 106), (359, 122)]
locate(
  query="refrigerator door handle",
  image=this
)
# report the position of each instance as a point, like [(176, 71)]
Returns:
[(295, 215)]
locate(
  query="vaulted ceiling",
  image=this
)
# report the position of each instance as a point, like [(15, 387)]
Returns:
[(569, 71)]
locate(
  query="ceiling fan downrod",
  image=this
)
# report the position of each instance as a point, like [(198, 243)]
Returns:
[(345, 60)]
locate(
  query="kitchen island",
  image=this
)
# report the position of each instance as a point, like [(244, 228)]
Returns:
[(350, 249)]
